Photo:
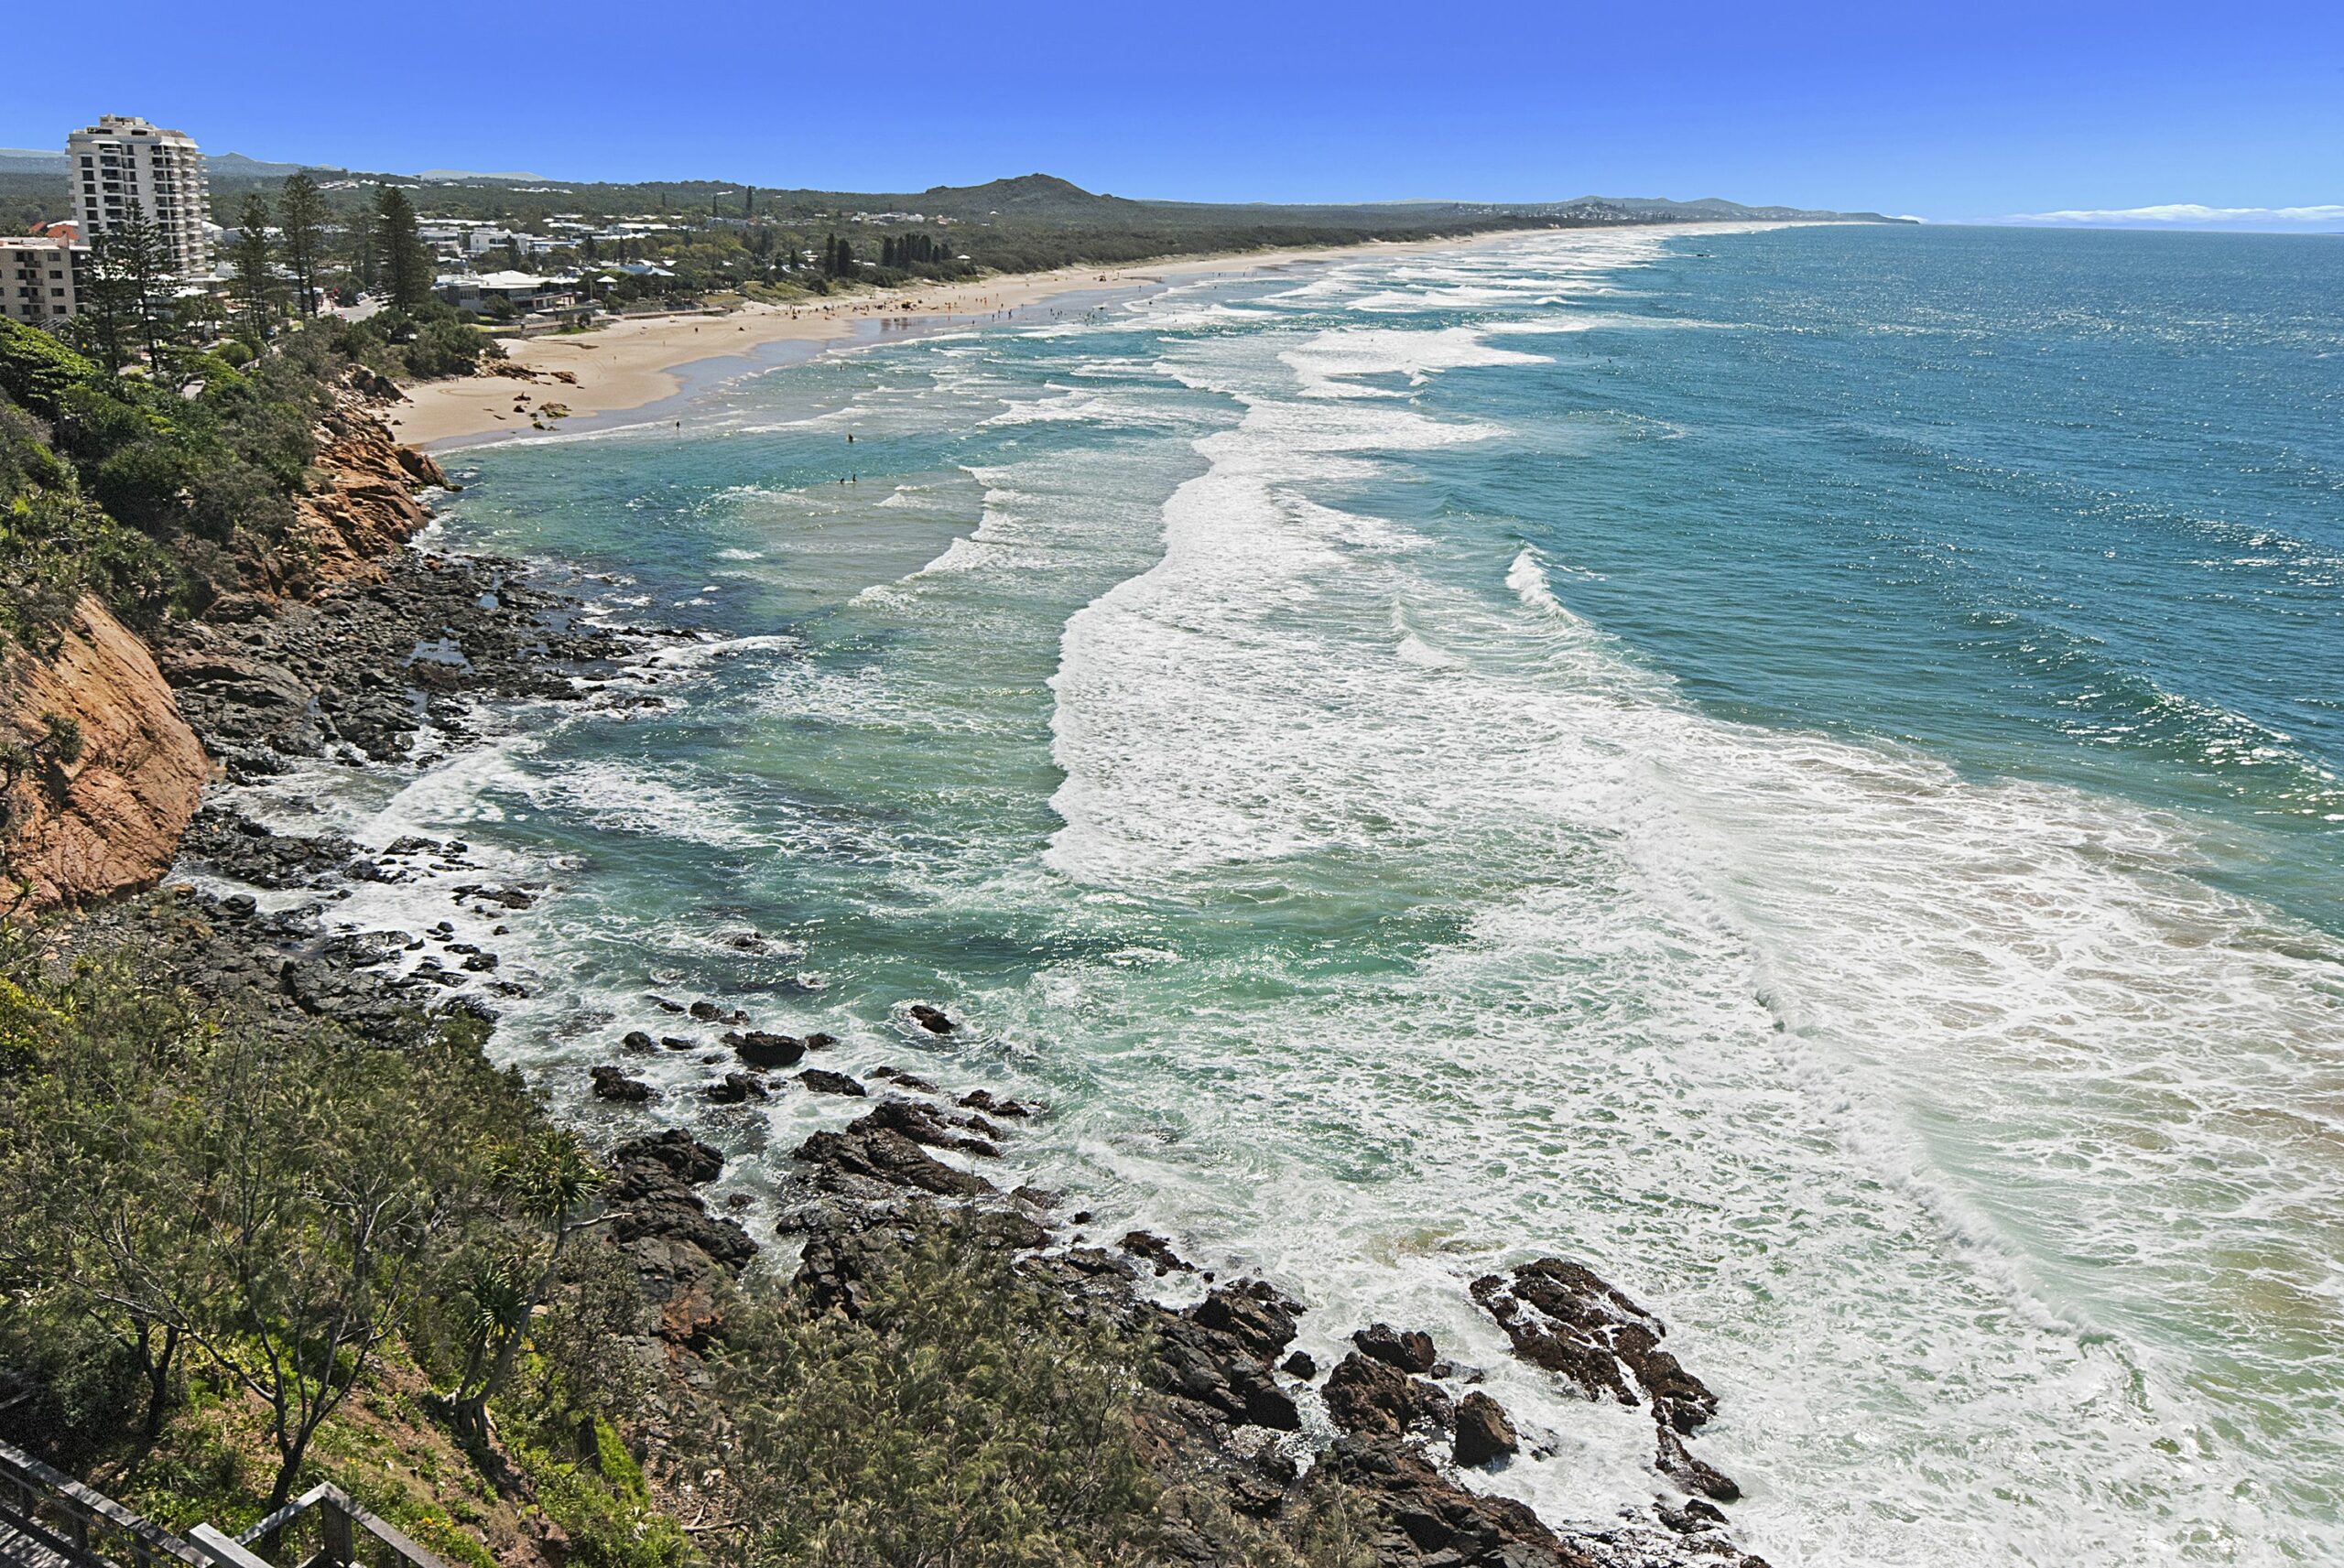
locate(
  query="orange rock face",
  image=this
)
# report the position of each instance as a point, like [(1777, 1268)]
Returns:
[(359, 507), (109, 821)]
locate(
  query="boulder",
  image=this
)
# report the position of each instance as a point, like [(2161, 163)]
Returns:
[(1565, 1317), (735, 1087), (1424, 1518), (1483, 1433), (675, 1152), (611, 1083), (886, 1158), (1375, 1400), (1251, 1311), (1410, 1352), (760, 1049), (1697, 1476), (1158, 1251)]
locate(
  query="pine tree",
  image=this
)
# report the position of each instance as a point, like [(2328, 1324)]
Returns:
[(407, 265), (137, 250), (109, 302), (256, 282), (300, 216)]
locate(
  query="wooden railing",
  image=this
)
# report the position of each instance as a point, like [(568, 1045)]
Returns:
[(53, 1514), (48, 1519), (348, 1536)]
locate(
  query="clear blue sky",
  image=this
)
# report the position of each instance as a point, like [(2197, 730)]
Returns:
[(1950, 111)]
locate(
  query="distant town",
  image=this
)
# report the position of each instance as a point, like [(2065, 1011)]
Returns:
[(135, 237), (141, 200)]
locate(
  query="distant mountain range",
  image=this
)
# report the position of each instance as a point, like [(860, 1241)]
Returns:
[(1044, 197), (231, 165), (43, 161)]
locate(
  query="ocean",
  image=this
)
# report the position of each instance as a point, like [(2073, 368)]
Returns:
[(1798, 766)]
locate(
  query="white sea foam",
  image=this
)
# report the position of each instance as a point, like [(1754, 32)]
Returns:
[(1400, 926), (1330, 361), (1877, 1070)]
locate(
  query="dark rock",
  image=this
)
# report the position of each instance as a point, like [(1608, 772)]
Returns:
[(1300, 1365), (1565, 1317), (637, 1040), (611, 1083), (888, 1158), (817, 1041), (1252, 1313), (932, 1019), (1696, 1516), (678, 1153), (706, 1011), (1374, 1399), (823, 1081), (735, 1087), (1697, 1475), (985, 1100), (1158, 1251), (1484, 1433), (1429, 1521), (1410, 1352), (921, 1125), (760, 1049), (1216, 1371), (677, 1043), (235, 846)]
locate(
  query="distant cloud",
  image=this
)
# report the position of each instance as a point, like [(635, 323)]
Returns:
[(2190, 216)]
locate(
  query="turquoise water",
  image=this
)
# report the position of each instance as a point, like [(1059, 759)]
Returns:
[(1799, 766)]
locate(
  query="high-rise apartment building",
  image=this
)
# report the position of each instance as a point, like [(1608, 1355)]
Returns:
[(124, 159)]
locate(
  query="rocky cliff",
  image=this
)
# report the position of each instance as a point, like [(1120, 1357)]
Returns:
[(361, 506), (99, 774), (99, 770)]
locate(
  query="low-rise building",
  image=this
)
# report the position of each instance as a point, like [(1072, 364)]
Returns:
[(40, 278), (520, 291)]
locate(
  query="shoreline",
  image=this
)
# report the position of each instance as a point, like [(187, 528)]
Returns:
[(638, 363), (1232, 1410), (1239, 1416)]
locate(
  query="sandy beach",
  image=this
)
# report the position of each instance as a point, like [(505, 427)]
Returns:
[(636, 362)]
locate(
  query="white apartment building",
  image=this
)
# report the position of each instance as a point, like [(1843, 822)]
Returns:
[(39, 282), (124, 158)]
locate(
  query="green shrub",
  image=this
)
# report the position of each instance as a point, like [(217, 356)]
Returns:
[(36, 369), (960, 1417)]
